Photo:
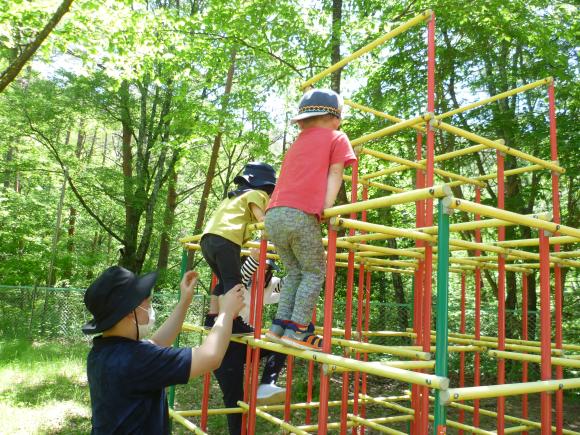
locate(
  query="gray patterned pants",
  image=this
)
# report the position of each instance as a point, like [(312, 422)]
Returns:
[(297, 237)]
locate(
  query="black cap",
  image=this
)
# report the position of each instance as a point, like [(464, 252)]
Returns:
[(113, 295), (257, 174)]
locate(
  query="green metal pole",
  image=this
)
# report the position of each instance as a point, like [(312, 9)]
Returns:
[(176, 344), (442, 333)]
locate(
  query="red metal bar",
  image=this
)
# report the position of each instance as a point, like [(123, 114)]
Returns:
[(206, 379), (359, 326), (524, 337), (477, 320), (259, 304), (545, 332), (557, 271), (418, 285), (310, 378), (367, 302), (462, 354), (359, 317), (363, 412), (348, 307), (500, 296), (249, 352), (289, 376), (427, 295), (327, 334)]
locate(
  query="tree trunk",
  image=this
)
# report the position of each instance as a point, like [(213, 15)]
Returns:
[(132, 215), (8, 174), (10, 73), (335, 35), (213, 158), (168, 220)]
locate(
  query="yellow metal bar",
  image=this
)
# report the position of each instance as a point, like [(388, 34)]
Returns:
[(379, 249), (501, 96), (487, 344), (396, 31), (567, 254), (380, 261), (378, 427), (225, 411), (452, 154), (377, 348), (391, 129), (329, 426), (565, 346), (382, 186), (190, 239), (472, 207), (275, 420), (378, 113), (493, 144), (511, 172), (388, 201), (407, 365), (397, 232), (559, 240), (213, 411), (509, 418), (432, 381), (185, 422), (387, 403), (492, 391), (564, 362), (412, 164)]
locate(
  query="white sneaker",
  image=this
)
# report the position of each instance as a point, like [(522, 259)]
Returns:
[(270, 393)]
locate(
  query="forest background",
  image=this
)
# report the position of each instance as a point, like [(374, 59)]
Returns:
[(129, 123)]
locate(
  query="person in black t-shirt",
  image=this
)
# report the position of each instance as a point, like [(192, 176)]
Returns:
[(127, 375)]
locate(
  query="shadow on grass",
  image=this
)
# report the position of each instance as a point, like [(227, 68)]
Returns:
[(25, 351), (55, 388), (74, 424)]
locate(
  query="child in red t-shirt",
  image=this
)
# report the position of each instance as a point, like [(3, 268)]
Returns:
[(309, 181)]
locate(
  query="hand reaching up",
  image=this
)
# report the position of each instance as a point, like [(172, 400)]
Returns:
[(188, 283), (233, 301)]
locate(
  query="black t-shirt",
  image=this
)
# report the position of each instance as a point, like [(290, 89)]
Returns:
[(127, 380)]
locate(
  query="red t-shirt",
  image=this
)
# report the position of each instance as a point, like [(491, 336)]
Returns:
[(303, 177)]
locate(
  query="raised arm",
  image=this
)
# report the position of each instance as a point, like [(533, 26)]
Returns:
[(209, 355), (167, 332), (257, 212)]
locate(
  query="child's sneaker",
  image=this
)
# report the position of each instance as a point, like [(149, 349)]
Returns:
[(276, 330), (270, 394), (240, 327), (301, 338)]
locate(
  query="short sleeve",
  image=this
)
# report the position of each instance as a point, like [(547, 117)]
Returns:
[(155, 367), (257, 197), (342, 151)]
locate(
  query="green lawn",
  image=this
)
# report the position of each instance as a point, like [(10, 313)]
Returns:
[(43, 388)]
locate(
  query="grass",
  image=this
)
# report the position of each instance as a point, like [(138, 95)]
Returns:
[(43, 388)]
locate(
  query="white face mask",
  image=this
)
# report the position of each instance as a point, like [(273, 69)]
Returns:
[(145, 329)]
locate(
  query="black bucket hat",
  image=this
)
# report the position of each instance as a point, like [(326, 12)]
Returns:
[(257, 174), (113, 295)]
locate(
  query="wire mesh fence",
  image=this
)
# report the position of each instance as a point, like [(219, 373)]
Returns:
[(50, 313)]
